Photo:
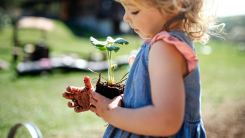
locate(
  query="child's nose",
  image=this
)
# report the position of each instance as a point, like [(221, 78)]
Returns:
[(126, 17)]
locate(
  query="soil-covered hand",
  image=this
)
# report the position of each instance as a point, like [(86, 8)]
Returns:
[(80, 96)]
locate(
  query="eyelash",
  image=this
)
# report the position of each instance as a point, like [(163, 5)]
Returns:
[(134, 13)]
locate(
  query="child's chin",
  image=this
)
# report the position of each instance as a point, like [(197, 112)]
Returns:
[(144, 37)]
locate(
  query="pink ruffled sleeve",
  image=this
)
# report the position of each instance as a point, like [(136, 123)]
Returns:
[(183, 48)]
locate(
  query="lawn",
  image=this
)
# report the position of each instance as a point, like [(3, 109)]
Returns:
[(38, 99)]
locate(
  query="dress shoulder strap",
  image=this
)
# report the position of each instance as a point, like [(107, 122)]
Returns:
[(182, 45)]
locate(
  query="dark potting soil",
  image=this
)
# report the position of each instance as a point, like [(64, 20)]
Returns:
[(110, 91)]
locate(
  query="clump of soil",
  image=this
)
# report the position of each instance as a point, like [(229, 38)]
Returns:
[(109, 91)]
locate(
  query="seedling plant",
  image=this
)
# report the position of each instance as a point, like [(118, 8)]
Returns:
[(108, 46)]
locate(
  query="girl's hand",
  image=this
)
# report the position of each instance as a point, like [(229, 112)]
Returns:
[(80, 96), (101, 105)]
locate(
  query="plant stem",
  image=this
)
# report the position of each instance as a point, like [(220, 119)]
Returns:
[(112, 77), (109, 70)]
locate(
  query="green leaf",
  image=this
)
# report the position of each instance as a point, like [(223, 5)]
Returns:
[(121, 41), (110, 39), (102, 48), (114, 48), (92, 39), (97, 43)]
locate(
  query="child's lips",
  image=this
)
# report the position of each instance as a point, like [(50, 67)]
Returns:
[(136, 30)]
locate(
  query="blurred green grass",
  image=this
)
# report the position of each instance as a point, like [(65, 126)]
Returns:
[(39, 99)]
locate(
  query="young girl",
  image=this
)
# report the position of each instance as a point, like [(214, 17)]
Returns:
[(162, 92)]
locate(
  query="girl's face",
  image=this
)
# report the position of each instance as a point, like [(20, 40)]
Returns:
[(146, 22)]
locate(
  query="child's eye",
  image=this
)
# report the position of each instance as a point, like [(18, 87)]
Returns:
[(134, 13)]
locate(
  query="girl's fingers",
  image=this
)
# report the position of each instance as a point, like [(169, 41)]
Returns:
[(131, 60), (68, 95), (78, 109), (118, 100), (87, 83), (93, 101), (97, 114), (72, 104), (96, 95), (87, 90), (93, 108), (73, 89)]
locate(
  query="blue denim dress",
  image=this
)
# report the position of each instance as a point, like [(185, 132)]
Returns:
[(137, 94)]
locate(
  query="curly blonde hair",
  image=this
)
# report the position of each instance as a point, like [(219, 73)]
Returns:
[(194, 13)]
